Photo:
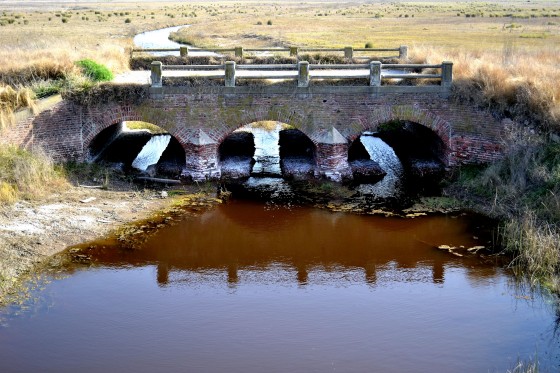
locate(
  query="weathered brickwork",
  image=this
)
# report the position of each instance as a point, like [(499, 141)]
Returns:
[(66, 129)]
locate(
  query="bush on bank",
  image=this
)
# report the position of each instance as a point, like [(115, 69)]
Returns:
[(523, 190)]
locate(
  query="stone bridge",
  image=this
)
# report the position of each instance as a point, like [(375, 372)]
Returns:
[(200, 118)]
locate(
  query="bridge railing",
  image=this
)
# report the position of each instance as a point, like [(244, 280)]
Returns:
[(302, 72), (349, 52)]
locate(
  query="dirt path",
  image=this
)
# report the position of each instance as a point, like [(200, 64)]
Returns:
[(30, 232)]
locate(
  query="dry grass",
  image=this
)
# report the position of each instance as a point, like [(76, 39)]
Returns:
[(537, 247), (335, 24), (525, 367), (12, 100), (512, 83), (138, 125), (27, 175)]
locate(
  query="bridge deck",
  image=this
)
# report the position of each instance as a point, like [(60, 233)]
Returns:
[(143, 77)]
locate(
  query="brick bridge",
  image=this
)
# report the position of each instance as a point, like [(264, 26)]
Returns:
[(200, 118)]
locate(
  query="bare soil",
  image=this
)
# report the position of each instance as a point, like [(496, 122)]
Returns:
[(31, 232)]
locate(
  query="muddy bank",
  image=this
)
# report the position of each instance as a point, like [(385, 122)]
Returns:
[(31, 232)]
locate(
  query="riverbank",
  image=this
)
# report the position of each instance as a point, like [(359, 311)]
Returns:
[(33, 231)]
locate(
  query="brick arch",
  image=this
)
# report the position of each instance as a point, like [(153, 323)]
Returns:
[(293, 119), (98, 121), (435, 123)]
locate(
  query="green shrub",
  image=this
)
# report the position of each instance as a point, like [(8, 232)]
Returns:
[(128, 20), (95, 71), (269, 22), (369, 44)]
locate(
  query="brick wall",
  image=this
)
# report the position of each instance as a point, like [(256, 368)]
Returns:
[(65, 130)]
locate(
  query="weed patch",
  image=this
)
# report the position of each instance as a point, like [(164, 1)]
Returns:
[(95, 71)]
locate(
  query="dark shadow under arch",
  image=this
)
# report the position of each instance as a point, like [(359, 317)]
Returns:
[(235, 155), (421, 151), (297, 155)]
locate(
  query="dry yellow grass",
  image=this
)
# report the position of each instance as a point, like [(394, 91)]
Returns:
[(512, 81), (12, 100), (27, 175)]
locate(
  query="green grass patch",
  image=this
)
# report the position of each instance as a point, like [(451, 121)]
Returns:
[(95, 71)]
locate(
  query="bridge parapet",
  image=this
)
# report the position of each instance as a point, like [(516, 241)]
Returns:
[(239, 51), (305, 74)]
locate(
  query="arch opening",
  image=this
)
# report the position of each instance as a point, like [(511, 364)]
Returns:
[(297, 155), (138, 147), (260, 160), (421, 152), (267, 149), (235, 155)]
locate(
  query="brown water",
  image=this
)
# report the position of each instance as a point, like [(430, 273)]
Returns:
[(253, 288)]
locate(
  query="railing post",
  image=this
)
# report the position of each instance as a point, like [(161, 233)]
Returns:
[(303, 74), (294, 51), (183, 51), (238, 51), (446, 74), (375, 73), (156, 69), (403, 52), (230, 74), (348, 52)]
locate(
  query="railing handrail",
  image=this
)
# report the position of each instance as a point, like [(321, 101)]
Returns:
[(293, 50), (271, 49), (303, 71), (193, 67)]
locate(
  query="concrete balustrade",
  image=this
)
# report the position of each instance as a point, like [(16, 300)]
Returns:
[(375, 74), (403, 52), (306, 72), (156, 74), (446, 74), (349, 52), (303, 74), (230, 74)]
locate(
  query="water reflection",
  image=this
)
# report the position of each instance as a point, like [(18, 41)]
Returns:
[(246, 240), (251, 288)]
